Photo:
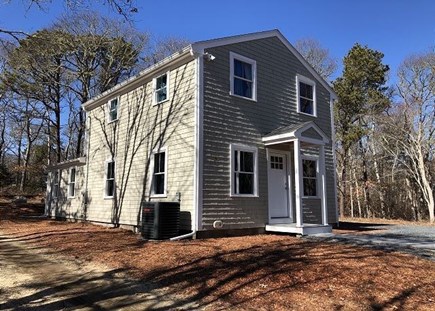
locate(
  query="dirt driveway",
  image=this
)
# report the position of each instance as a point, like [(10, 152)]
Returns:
[(418, 240), (32, 279)]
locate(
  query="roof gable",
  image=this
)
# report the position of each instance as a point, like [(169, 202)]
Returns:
[(302, 131), (200, 46)]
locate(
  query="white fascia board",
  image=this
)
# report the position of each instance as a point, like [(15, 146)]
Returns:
[(139, 79), (279, 137), (279, 141), (306, 64), (67, 164), (314, 126), (200, 46), (293, 135)]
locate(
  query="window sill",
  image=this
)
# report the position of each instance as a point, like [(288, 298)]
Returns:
[(73, 197), (162, 102), (244, 196), (112, 121), (307, 114), (312, 198), (243, 97), (158, 196), (108, 198)]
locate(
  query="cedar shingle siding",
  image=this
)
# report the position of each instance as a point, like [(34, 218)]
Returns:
[(229, 119)]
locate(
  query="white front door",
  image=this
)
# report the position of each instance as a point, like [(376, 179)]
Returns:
[(278, 181)]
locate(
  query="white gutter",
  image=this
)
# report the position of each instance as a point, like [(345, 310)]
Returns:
[(68, 163), (138, 79)]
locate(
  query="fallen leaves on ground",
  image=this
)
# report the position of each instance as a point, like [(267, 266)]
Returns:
[(261, 272)]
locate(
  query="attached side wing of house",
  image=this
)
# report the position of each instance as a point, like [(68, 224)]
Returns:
[(140, 147)]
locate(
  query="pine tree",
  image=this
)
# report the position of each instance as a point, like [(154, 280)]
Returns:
[(362, 93)]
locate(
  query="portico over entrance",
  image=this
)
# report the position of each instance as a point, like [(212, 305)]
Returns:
[(296, 179)]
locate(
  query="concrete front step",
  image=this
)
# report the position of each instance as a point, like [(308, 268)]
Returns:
[(306, 229)]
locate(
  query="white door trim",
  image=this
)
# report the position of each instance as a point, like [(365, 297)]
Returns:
[(286, 154)]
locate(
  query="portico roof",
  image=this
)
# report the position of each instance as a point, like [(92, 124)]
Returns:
[(306, 132)]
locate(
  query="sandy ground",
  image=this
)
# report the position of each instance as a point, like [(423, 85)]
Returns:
[(33, 279)]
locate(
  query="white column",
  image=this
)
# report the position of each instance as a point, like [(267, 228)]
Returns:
[(323, 184), (298, 183)]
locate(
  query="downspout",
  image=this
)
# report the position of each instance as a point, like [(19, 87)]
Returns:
[(184, 236), (199, 72), (88, 143), (334, 157)]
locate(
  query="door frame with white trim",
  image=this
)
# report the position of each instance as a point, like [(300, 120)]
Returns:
[(289, 205)]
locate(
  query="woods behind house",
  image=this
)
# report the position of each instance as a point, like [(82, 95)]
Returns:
[(385, 132)]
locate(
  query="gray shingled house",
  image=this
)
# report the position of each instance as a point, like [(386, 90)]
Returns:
[(238, 130)]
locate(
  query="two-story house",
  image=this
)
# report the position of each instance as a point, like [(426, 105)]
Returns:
[(239, 130)]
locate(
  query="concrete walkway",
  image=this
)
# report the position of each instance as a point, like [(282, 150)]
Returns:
[(33, 279)]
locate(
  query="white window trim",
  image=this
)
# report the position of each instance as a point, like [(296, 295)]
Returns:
[(300, 78), (234, 147), (56, 181), (117, 109), (316, 159), (105, 196), (155, 102), (69, 182), (244, 59), (165, 194)]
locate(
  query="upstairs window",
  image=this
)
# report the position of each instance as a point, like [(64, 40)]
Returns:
[(306, 90), (159, 174), (243, 73), (72, 182), (109, 190), (113, 109), (309, 176), (161, 88), (243, 171)]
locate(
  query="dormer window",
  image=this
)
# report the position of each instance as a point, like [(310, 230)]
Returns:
[(306, 92), (161, 89), (113, 109), (243, 76)]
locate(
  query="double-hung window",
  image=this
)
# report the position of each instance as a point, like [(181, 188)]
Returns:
[(243, 76), (72, 182), (159, 173), (243, 171), (306, 90), (161, 88), (309, 177), (113, 109), (55, 190), (109, 190)]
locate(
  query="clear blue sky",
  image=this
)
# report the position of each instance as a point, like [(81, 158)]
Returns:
[(395, 27)]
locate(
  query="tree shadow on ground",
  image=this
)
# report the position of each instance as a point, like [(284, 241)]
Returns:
[(273, 274), (346, 226), (226, 277)]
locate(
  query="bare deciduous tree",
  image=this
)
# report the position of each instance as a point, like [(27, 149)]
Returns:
[(412, 124), (162, 48), (317, 56)]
